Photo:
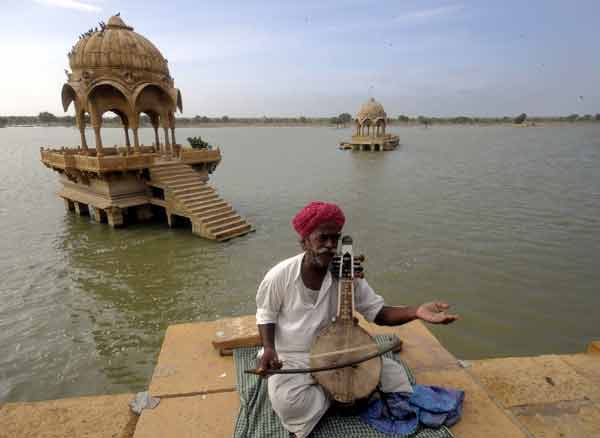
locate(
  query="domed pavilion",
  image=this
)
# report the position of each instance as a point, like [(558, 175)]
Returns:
[(114, 69), (369, 133)]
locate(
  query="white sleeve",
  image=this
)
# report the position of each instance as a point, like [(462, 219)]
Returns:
[(366, 301), (269, 299)]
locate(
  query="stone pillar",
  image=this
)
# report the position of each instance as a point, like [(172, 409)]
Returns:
[(115, 217), (94, 214), (143, 213), (80, 119), (84, 145), (97, 214), (69, 205), (127, 142), (167, 144), (136, 140), (81, 209), (173, 141), (156, 141), (99, 149)]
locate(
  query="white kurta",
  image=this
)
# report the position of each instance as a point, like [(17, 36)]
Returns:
[(283, 299)]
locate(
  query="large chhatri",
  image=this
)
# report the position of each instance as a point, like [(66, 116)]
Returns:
[(369, 130), (114, 69)]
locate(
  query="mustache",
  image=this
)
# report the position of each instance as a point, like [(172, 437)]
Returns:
[(325, 251)]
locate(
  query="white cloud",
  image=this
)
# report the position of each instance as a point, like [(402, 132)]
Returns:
[(72, 4), (426, 14)]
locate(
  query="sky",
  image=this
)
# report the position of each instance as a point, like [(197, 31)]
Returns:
[(319, 58)]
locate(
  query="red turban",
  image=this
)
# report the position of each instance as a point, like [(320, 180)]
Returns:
[(315, 214)]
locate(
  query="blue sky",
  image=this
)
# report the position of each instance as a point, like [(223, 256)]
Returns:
[(321, 58)]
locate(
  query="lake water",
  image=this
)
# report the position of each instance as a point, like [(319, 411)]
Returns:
[(504, 223)]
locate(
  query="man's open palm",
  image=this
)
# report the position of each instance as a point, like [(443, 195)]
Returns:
[(435, 313)]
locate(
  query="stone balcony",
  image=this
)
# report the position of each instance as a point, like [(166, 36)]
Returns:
[(118, 159)]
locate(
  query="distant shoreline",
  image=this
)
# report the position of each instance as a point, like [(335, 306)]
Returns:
[(482, 124)]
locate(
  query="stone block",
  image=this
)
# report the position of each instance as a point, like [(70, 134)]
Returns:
[(571, 419), (233, 333), (90, 417), (517, 381), (420, 348), (587, 365), (211, 415), (189, 364), (481, 416), (594, 347)]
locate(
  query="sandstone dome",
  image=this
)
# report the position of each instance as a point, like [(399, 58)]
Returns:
[(371, 110), (117, 46)]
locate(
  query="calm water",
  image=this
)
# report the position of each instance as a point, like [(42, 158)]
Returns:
[(501, 222)]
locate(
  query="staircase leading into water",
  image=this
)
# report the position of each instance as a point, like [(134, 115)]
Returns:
[(187, 194)]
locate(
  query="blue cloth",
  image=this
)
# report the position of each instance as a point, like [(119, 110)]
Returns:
[(430, 406)]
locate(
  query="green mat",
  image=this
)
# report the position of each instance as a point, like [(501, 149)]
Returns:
[(256, 418)]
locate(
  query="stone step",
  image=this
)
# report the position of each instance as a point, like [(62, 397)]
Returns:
[(218, 215), (220, 220), (188, 184), (176, 180), (190, 196), (208, 207), (175, 172), (211, 213), (196, 189), (169, 166), (227, 225), (233, 232), (200, 201)]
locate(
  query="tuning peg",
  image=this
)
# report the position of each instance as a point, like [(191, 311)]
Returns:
[(361, 258)]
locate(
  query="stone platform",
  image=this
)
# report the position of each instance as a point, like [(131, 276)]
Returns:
[(542, 396)]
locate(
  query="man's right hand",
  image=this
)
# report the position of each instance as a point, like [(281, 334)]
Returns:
[(268, 361)]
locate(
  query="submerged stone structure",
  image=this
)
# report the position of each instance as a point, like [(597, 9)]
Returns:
[(369, 133), (114, 69)]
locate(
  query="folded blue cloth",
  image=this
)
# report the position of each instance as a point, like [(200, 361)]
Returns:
[(430, 406)]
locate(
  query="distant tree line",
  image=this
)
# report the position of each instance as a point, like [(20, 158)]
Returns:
[(48, 119), (464, 120)]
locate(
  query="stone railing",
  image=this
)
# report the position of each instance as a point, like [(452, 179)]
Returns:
[(195, 156), (76, 160), (369, 138)]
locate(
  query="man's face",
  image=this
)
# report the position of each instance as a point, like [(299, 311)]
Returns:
[(321, 244)]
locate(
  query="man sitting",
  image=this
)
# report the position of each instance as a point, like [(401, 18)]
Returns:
[(298, 298)]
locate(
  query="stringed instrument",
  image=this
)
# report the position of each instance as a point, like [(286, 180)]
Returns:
[(344, 341)]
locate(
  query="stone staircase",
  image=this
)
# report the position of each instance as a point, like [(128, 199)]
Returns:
[(188, 195)]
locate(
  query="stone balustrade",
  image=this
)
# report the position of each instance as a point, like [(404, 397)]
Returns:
[(59, 159), (118, 159), (194, 156)]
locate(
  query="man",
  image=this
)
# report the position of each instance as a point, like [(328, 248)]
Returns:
[(297, 298)]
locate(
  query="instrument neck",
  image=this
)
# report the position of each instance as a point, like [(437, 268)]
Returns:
[(345, 300)]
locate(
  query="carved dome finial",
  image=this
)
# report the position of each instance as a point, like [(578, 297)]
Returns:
[(116, 22)]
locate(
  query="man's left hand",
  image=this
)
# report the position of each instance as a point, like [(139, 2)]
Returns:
[(435, 313)]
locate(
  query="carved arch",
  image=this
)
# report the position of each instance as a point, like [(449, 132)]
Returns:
[(68, 95)]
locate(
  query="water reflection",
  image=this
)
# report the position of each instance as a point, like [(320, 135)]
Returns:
[(132, 283)]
